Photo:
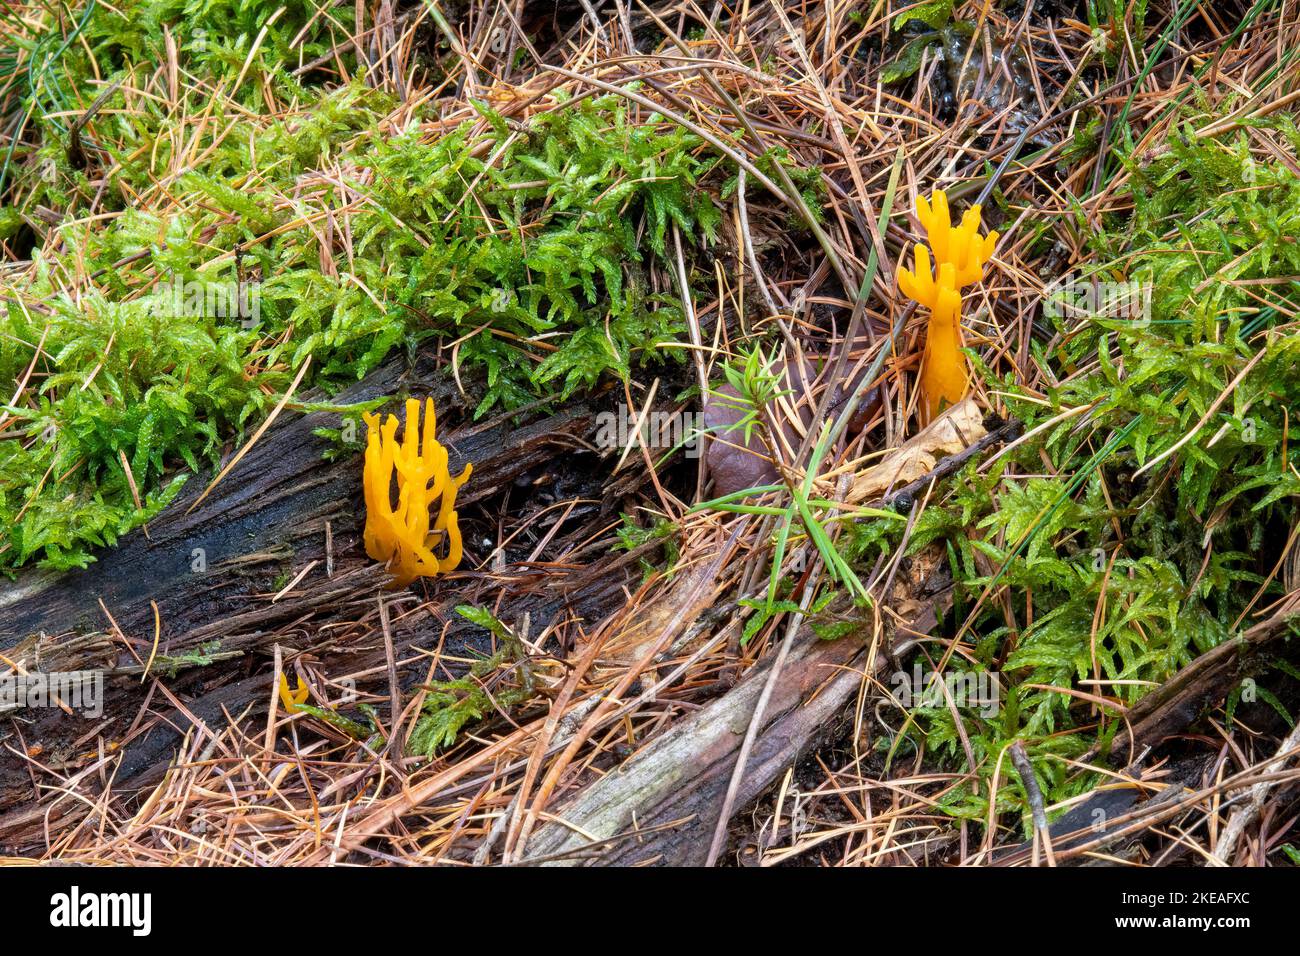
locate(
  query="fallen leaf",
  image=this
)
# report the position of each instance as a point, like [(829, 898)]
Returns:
[(956, 429)]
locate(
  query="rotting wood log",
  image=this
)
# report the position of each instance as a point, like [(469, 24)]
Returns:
[(267, 519), (269, 514)]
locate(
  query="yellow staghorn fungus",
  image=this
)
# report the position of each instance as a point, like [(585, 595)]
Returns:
[(292, 700), (944, 379), (400, 536), (959, 257), (963, 246)]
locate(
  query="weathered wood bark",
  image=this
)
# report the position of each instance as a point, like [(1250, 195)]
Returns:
[(662, 805), (266, 521), (267, 516)]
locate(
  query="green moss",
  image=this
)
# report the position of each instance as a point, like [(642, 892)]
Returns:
[(1108, 573), (493, 684), (522, 246)]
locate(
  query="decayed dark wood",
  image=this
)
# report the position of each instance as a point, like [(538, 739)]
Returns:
[(265, 521), (210, 692), (1101, 822), (661, 806), (268, 516)]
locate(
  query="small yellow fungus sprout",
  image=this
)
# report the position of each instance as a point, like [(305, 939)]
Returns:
[(292, 700), (401, 536), (959, 257), (944, 379)]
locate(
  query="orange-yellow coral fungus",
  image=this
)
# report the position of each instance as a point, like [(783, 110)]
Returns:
[(292, 699), (400, 535), (944, 380), (963, 245), (959, 257)]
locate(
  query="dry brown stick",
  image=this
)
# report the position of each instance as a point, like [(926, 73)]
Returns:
[(1178, 700), (1244, 816), (756, 718), (1039, 812), (901, 497)]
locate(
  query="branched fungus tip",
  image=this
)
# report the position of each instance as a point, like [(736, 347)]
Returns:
[(400, 535)]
